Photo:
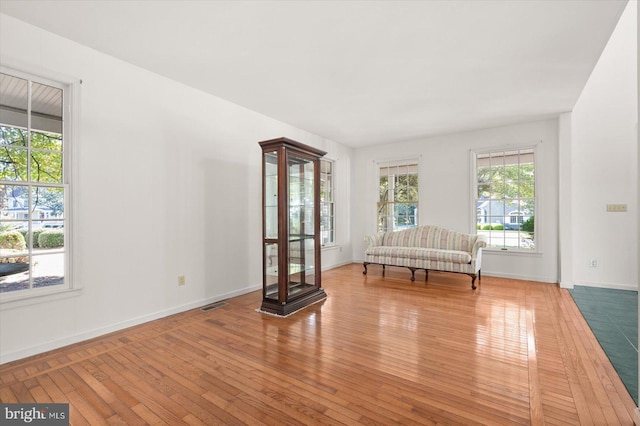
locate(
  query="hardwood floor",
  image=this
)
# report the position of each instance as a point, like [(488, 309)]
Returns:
[(379, 350)]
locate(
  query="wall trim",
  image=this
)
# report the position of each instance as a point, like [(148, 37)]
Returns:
[(614, 286), (336, 265), (548, 280), (97, 332)]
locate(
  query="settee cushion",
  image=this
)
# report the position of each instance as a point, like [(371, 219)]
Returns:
[(432, 237), (454, 256)]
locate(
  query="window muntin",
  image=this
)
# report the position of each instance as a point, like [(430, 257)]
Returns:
[(505, 199), (33, 191), (327, 204), (397, 196)]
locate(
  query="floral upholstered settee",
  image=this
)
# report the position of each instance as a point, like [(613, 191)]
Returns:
[(427, 247)]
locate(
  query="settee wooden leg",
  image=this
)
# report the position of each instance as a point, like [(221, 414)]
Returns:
[(426, 274), (413, 274), (365, 267), (384, 269), (473, 281)]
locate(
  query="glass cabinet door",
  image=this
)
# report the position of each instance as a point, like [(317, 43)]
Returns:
[(301, 276), (270, 192)]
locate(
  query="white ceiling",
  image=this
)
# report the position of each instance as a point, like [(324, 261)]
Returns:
[(357, 72)]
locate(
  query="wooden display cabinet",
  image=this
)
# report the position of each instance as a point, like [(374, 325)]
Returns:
[(290, 226)]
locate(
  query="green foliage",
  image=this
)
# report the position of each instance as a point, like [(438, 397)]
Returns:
[(25, 234), (528, 225), (479, 226), (51, 238), (36, 233), (405, 188), (38, 159), (508, 181), (404, 198), (486, 227), (497, 227), (12, 240), (45, 156)]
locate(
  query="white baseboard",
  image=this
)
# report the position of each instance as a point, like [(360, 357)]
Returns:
[(614, 286), (90, 334), (519, 277), (337, 265)]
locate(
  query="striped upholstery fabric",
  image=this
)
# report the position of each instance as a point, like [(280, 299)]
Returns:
[(430, 237), (421, 253)]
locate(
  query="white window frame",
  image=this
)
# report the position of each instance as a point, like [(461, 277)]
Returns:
[(378, 164), (536, 147), (332, 191), (70, 99)]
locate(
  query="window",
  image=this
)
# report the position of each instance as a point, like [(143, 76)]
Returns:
[(327, 208), (398, 195), (505, 198), (33, 190)]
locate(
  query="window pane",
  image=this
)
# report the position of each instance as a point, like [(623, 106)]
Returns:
[(13, 136), (14, 273), (497, 189), (527, 189), (13, 163), (48, 270), (46, 167), (14, 101), (46, 108), (47, 203), (384, 189), (14, 202), (13, 243), (46, 141)]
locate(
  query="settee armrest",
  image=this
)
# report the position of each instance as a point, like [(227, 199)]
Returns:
[(374, 240), (481, 241)]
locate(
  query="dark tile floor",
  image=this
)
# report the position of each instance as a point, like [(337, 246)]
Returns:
[(612, 315)]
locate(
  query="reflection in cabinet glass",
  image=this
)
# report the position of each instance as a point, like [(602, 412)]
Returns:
[(291, 226)]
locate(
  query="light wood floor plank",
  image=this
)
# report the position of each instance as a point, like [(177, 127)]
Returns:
[(380, 350)]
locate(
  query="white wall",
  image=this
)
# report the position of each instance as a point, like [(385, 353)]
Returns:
[(445, 191), (604, 166), (167, 183)]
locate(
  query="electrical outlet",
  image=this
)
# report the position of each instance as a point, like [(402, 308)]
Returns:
[(593, 263), (180, 279)]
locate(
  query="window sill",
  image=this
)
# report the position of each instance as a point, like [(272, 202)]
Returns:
[(34, 297), (332, 247), (487, 250)]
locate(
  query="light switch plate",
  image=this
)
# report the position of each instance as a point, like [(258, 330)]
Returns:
[(617, 208)]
